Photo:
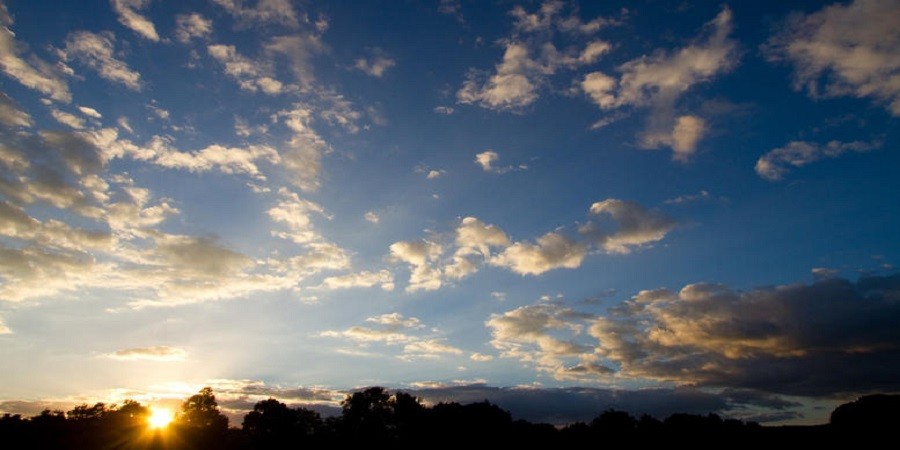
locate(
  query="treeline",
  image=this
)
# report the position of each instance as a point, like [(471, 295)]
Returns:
[(374, 416)]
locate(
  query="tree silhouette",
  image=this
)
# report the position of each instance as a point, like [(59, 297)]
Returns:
[(202, 411), (272, 424)]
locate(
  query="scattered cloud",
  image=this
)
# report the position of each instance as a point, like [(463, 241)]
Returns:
[(68, 119), (127, 11), (636, 226), (29, 70), (266, 12), (445, 110), (97, 51), (395, 329), (421, 256), (530, 57), (156, 353), (844, 50), (486, 158), (480, 357), (364, 279), (193, 25), (552, 251), (4, 329), (250, 75), (11, 115), (90, 112), (775, 164), (371, 217), (703, 196), (659, 80), (375, 65)]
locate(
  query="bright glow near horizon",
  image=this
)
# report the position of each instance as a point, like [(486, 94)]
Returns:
[(160, 417)]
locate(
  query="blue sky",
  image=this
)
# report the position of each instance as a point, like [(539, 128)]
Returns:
[(655, 206)]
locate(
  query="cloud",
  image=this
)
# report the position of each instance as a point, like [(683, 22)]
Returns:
[(844, 50), (304, 149), (421, 256), (156, 353), (36, 74), (11, 115), (193, 25), (636, 226), (295, 213), (371, 217), (701, 196), (68, 119), (486, 158), (268, 12), (445, 110), (434, 173), (530, 57), (659, 80), (376, 65), (97, 52), (4, 329), (395, 329), (250, 75), (775, 164), (90, 112), (364, 279), (127, 11), (480, 357), (552, 251), (298, 50), (828, 338)]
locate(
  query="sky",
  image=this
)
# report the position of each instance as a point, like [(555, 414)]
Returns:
[(560, 207)]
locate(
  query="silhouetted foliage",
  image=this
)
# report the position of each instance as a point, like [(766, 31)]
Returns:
[(374, 416)]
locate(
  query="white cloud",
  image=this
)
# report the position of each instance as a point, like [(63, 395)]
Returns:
[(474, 235), (429, 348), (636, 226), (364, 279), (11, 115), (127, 11), (36, 74), (193, 25), (156, 353), (123, 124), (421, 256), (445, 110), (250, 75), (299, 50), (305, 148), (552, 251), (67, 119), (395, 329), (97, 52), (278, 12), (376, 65), (702, 196), (530, 57), (486, 158), (434, 173), (295, 213), (775, 164), (479, 357), (845, 50), (659, 80), (90, 112), (371, 216)]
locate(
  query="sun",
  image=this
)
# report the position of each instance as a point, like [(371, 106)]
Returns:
[(160, 417)]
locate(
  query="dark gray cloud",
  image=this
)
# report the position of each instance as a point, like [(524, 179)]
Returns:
[(829, 338)]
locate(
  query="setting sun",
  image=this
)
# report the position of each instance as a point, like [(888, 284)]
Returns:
[(160, 417)]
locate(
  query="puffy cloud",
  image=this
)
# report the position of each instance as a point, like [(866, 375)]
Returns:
[(36, 74), (90, 112), (383, 278), (278, 12), (298, 49), (828, 338), (396, 320), (11, 115), (68, 119), (420, 255), (637, 226), (775, 164), (97, 52), (474, 235), (530, 57), (156, 353), (480, 357), (552, 251), (193, 25), (127, 11), (250, 75), (659, 80), (486, 158), (294, 213), (845, 50), (375, 66), (532, 333), (434, 173), (371, 217)]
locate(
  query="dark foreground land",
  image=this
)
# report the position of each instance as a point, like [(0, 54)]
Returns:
[(374, 417)]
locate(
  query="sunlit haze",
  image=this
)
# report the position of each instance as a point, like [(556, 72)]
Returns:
[(561, 207), (160, 417)]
